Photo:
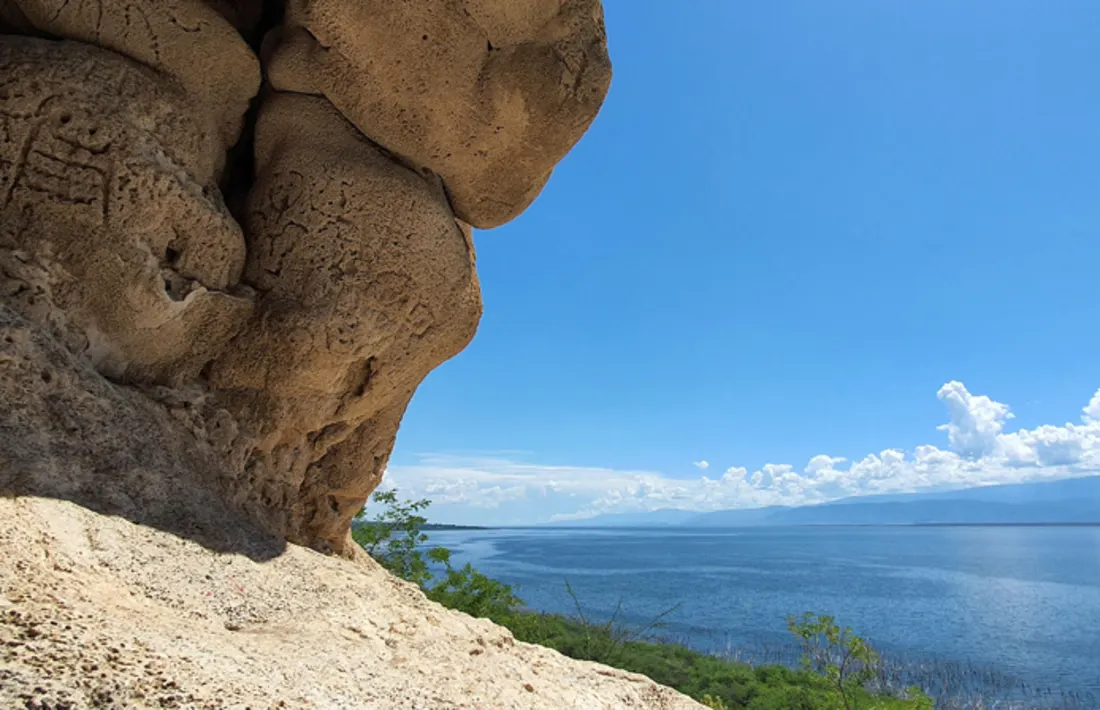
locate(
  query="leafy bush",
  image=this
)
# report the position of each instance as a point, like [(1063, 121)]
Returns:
[(395, 537), (728, 684), (713, 703), (846, 660), (469, 591)]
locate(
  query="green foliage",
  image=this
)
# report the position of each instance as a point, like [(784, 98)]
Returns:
[(396, 539), (727, 683), (713, 703), (836, 661), (604, 642), (470, 591), (846, 660)]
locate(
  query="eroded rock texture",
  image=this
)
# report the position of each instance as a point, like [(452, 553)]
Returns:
[(147, 455), (193, 42), (368, 284), (488, 94), (98, 613), (283, 347), (108, 188)]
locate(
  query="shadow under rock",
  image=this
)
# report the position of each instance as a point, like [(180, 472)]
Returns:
[(68, 433)]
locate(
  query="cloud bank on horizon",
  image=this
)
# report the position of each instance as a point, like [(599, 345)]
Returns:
[(498, 489)]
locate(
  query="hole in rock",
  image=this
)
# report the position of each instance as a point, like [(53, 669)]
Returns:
[(365, 378)]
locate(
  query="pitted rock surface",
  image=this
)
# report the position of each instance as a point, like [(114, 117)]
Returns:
[(368, 284), (488, 94), (108, 185), (151, 455), (184, 389), (96, 612), (193, 42), (284, 339)]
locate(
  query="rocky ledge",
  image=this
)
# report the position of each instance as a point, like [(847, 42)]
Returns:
[(97, 612)]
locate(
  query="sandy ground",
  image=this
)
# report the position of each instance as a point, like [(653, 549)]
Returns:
[(97, 612)]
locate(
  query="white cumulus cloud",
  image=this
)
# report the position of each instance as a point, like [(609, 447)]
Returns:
[(704, 464), (500, 489), (1092, 409), (975, 421)]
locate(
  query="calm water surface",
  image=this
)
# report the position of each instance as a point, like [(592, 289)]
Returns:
[(1024, 601)]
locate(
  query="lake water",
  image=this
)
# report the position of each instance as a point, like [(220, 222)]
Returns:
[(1021, 601)]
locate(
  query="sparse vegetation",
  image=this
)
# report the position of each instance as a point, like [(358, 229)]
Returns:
[(839, 670), (716, 682), (847, 661), (395, 538)]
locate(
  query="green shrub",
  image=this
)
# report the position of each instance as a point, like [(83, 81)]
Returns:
[(469, 591), (395, 537), (713, 703), (846, 660)]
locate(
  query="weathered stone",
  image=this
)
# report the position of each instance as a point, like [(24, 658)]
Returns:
[(368, 284), (66, 432), (96, 612), (108, 193), (12, 19), (388, 129), (488, 94), (192, 41)]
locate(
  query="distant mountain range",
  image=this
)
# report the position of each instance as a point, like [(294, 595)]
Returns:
[(1075, 500)]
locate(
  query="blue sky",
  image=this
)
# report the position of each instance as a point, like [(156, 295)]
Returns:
[(791, 226)]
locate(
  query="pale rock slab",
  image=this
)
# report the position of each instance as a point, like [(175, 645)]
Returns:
[(98, 612)]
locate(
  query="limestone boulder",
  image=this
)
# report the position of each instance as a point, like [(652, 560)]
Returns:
[(487, 94), (302, 324), (111, 224), (368, 283)]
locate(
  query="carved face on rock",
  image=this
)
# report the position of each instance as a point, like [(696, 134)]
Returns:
[(107, 182), (367, 282)]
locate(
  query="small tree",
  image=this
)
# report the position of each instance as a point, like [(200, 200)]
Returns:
[(845, 659), (395, 538), (714, 703)]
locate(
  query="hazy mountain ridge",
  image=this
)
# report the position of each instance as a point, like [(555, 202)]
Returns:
[(1075, 500)]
